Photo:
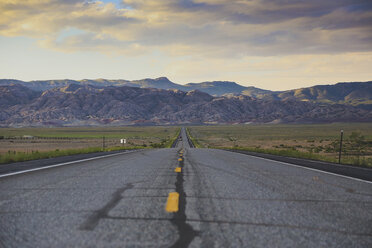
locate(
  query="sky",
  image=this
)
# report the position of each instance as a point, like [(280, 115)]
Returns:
[(275, 45)]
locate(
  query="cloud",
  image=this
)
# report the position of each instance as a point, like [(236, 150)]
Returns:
[(48, 17), (87, 41), (198, 28)]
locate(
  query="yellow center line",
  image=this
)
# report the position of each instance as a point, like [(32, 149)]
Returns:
[(172, 202), (180, 159), (178, 169)]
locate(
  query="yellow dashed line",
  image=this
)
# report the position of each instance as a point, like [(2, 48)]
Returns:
[(178, 169), (172, 202), (180, 159)]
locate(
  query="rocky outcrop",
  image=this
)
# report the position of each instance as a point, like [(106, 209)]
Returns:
[(16, 94)]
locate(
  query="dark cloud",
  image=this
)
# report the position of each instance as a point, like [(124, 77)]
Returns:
[(202, 27)]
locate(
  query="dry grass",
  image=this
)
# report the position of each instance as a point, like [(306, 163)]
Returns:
[(49, 139), (320, 141), (20, 144)]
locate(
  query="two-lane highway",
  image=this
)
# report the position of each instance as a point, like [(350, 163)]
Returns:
[(222, 199)]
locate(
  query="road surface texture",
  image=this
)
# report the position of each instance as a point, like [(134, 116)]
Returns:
[(219, 199)]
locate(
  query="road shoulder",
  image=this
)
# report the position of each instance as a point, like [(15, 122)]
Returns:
[(44, 163), (344, 170)]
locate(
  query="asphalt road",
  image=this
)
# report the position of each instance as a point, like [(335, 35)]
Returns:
[(225, 199)]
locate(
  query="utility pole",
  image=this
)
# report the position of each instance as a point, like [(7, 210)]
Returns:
[(103, 143), (339, 153)]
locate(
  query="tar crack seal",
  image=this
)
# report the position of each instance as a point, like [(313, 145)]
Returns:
[(185, 231), (93, 220)]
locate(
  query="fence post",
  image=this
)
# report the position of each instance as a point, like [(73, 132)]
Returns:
[(340, 151)]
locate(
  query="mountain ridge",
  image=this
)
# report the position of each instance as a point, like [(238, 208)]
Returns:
[(82, 105), (351, 93)]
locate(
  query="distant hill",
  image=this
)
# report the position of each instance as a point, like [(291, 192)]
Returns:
[(216, 88), (38, 85), (16, 94), (24, 103), (219, 88), (353, 93), (357, 93), (78, 104), (158, 83)]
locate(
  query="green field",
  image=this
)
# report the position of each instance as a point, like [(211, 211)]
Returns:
[(320, 141), (20, 144), (91, 132)]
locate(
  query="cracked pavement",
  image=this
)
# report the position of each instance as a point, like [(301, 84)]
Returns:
[(230, 200)]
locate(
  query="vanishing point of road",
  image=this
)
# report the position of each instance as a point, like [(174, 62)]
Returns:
[(183, 197)]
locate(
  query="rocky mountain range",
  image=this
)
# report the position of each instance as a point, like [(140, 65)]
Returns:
[(105, 104), (215, 88), (353, 93)]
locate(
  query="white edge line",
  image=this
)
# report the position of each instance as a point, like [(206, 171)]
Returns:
[(61, 164), (312, 169)]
